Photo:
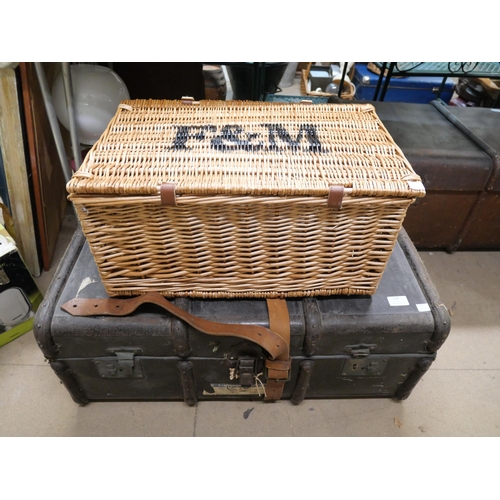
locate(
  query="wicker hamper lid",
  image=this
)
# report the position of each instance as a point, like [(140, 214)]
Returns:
[(245, 148)]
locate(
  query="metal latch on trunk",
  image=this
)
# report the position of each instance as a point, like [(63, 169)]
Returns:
[(246, 363), (242, 369), (361, 363), (123, 365), (360, 350)]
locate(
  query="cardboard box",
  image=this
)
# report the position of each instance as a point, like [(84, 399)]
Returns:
[(19, 295)]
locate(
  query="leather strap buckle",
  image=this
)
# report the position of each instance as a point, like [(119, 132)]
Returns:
[(278, 370), (275, 339)]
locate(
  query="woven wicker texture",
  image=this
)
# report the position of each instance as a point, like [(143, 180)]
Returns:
[(251, 218), (236, 147)]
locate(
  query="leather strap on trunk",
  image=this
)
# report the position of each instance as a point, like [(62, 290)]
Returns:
[(278, 369), (275, 339), (277, 346)]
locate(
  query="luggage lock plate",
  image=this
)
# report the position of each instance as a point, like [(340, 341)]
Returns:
[(122, 365), (361, 364), (245, 362), (364, 367)]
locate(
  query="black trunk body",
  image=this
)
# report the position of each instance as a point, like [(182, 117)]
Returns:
[(341, 347)]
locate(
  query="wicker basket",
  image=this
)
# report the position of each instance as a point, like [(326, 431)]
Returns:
[(243, 199)]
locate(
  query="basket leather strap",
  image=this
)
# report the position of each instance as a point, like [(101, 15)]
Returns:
[(278, 369), (167, 195), (270, 340), (335, 196)]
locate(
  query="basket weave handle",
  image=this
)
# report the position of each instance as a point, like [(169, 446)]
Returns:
[(269, 340)]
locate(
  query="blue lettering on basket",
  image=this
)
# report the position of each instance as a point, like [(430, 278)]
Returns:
[(184, 133), (234, 137), (278, 131), (231, 139)]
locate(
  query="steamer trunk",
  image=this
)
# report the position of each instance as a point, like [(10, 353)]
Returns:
[(482, 126), (454, 169), (238, 199), (340, 346)]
